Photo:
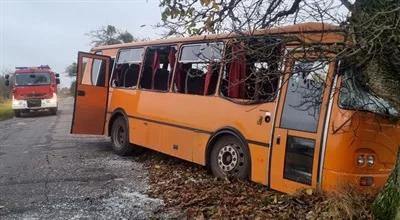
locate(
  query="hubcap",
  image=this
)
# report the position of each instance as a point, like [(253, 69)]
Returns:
[(228, 157)]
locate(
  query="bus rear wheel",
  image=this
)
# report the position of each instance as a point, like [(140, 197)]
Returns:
[(229, 158), (120, 137)]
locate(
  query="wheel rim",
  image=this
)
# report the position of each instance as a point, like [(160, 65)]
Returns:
[(119, 136), (230, 158)]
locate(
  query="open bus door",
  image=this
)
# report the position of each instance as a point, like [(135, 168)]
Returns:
[(91, 94)]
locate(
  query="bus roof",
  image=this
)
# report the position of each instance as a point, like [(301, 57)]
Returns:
[(297, 29)]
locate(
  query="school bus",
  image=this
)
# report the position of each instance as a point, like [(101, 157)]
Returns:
[(195, 98)]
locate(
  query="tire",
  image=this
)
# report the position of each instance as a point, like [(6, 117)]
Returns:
[(17, 113), (53, 111), (230, 158), (120, 137)]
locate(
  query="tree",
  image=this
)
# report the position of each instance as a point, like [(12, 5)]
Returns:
[(126, 37), (72, 88), (387, 204), (71, 70), (372, 27), (372, 53), (108, 35), (4, 90), (374, 30)]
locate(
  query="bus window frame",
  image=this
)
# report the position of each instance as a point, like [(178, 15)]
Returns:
[(295, 54), (91, 72), (328, 85), (116, 63), (248, 101), (138, 87), (179, 51)]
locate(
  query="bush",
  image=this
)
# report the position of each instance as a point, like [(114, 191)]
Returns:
[(4, 90)]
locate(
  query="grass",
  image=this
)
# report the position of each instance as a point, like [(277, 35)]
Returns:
[(5, 109)]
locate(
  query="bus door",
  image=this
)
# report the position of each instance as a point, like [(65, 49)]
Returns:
[(91, 94), (299, 125)]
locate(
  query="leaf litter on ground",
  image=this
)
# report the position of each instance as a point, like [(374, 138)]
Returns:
[(191, 191)]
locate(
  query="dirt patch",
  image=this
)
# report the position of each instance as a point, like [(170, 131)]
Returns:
[(189, 189)]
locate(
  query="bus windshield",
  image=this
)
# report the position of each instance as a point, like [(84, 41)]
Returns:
[(32, 79), (355, 96)]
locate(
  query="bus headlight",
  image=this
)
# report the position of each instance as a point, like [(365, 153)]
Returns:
[(370, 160), (360, 160)]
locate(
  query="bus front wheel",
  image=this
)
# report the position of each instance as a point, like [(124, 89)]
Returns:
[(120, 137), (230, 158)]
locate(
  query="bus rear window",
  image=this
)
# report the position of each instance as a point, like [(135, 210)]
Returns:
[(32, 79)]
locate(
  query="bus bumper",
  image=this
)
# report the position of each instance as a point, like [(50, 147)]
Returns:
[(371, 182)]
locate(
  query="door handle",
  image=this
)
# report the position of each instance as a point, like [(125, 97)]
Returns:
[(278, 140), (80, 93)]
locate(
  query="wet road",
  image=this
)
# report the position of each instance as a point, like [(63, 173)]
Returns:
[(47, 173)]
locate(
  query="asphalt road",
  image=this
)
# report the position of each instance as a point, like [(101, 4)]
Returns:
[(46, 173)]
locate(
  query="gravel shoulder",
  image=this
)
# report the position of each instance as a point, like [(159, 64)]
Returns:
[(47, 173)]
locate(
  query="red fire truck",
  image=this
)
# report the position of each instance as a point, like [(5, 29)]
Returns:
[(34, 89)]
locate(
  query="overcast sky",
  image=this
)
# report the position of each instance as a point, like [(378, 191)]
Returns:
[(35, 32)]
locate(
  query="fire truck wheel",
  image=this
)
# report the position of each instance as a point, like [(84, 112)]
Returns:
[(53, 111), (17, 113), (230, 158), (120, 137)]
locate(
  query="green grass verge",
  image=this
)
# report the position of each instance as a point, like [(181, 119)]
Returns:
[(5, 110)]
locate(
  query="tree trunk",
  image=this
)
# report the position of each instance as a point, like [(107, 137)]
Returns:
[(387, 204)]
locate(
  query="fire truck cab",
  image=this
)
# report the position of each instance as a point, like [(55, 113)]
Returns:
[(34, 89)]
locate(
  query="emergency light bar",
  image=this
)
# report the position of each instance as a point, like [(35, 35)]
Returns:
[(39, 67)]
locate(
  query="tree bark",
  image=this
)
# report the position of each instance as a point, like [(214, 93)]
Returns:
[(387, 204)]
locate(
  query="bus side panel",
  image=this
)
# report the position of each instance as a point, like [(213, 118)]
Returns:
[(259, 163), (200, 147), (176, 142), (206, 114), (139, 132), (125, 99), (186, 123)]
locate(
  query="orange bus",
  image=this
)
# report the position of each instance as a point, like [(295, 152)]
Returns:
[(195, 98)]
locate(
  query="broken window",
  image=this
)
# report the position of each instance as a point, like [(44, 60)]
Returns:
[(252, 70), (198, 68), (127, 69), (158, 68)]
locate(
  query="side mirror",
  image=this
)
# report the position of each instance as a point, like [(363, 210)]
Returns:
[(7, 76), (57, 80), (7, 82), (57, 75)]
